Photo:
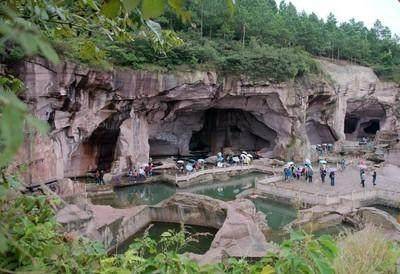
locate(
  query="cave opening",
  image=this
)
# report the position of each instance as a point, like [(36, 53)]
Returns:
[(363, 119), (104, 141), (350, 124), (371, 127), (232, 129)]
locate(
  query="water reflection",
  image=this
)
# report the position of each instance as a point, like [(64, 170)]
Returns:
[(226, 190), (277, 214), (144, 194)]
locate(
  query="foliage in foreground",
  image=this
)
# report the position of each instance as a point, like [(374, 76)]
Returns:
[(31, 241), (367, 252)]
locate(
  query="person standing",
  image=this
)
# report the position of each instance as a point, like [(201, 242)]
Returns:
[(97, 177), (332, 177), (310, 174), (285, 173), (363, 178), (374, 177), (323, 174)]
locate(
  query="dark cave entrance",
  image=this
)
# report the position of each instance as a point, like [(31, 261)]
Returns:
[(371, 127), (231, 128), (104, 141), (350, 124), (364, 118)]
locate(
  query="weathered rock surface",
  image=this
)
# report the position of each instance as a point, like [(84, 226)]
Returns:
[(241, 235), (113, 120), (240, 227)]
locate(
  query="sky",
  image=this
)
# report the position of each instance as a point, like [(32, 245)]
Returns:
[(367, 11)]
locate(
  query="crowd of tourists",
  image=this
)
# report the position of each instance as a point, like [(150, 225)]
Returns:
[(324, 149), (220, 160), (141, 173), (305, 172)]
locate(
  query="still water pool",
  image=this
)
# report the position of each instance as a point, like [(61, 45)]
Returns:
[(277, 214), (153, 193)]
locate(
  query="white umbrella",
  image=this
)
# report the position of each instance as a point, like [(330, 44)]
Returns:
[(249, 155), (189, 167), (322, 162), (244, 152), (201, 160), (236, 159), (307, 161), (180, 162), (290, 163)]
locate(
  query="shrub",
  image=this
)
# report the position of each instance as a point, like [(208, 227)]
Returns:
[(366, 251)]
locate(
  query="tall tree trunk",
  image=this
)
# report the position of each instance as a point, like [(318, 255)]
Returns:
[(243, 33), (202, 18)]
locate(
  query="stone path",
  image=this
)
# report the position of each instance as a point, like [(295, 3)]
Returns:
[(347, 186)]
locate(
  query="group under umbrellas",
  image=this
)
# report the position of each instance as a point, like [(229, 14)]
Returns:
[(306, 170)]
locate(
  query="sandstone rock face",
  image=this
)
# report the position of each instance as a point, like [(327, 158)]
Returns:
[(118, 119), (364, 103), (240, 226)]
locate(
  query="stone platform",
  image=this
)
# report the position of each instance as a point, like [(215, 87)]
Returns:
[(347, 188)]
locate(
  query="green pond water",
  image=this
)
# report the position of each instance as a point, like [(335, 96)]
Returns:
[(200, 246), (277, 214), (226, 190), (153, 193), (144, 194)]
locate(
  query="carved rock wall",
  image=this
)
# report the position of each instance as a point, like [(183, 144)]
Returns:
[(117, 119)]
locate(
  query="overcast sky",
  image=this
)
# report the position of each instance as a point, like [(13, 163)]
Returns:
[(387, 11)]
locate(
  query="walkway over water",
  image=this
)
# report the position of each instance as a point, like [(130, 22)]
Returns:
[(184, 180), (181, 180)]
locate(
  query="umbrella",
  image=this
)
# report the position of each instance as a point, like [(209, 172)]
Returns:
[(201, 160), (189, 167), (307, 161), (322, 162), (180, 162), (236, 159), (332, 169), (362, 166), (249, 155), (290, 163), (244, 152)]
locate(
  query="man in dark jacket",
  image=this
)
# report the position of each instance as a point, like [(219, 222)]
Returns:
[(332, 177), (374, 177)]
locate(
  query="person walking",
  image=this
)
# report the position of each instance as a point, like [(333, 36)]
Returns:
[(374, 177), (362, 178), (332, 177)]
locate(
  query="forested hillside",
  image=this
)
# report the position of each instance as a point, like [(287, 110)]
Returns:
[(278, 40)]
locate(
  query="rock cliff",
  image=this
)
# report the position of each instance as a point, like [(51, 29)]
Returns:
[(116, 119)]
